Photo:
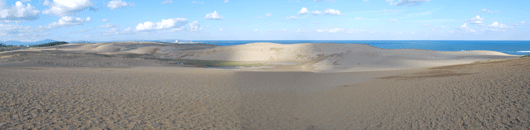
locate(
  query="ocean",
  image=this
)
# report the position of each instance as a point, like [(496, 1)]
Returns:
[(508, 47)]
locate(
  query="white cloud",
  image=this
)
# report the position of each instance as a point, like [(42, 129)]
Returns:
[(292, 17), (284, 29), (476, 20), (226, 1), (66, 21), (331, 12), (489, 11), (221, 29), (498, 25), (405, 2), (194, 26), (442, 26), (315, 22), (412, 32), (108, 25), (268, 14), (334, 30), (114, 4), (392, 20), (213, 16), (104, 20), (164, 24), (116, 31), (167, 2), (18, 12), (523, 22), (255, 30), (303, 11), (465, 28), (426, 25), (316, 12), (25, 32), (25, 0), (195, 2), (66, 7)]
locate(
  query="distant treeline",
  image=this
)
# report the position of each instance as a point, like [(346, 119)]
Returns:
[(4, 45), (49, 44)]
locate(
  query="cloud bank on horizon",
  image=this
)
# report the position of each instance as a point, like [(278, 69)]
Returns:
[(104, 20)]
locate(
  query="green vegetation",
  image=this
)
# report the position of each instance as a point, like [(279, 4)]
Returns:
[(50, 44), (4, 47), (525, 56)]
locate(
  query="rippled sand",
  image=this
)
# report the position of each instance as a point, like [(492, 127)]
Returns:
[(488, 95)]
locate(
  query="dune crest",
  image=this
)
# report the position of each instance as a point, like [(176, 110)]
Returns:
[(316, 57)]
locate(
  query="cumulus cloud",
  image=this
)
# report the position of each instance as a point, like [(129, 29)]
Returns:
[(331, 12), (465, 28), (292, 17), (194, 26), (114, 4), (164, 24), (523, 22), (499, 25), (66, 21), (195, 2), (167, 2), (226, 1), (18, 12), (489, 11), (405, 2), (476, 20), (334, 30), (108, 25), (66, 7), (268, 14), (392, 20), (104, 20), (316, 12), (213, 16), (303, 11)]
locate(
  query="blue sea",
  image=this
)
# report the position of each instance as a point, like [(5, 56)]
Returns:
[(508, 47)]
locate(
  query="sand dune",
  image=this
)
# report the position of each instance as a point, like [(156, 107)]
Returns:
[(302, 57), (117, 86), (487, 95)]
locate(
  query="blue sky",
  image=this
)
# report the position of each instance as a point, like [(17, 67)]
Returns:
[(106, 20)]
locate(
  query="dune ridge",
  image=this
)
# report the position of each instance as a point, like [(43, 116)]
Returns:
[(314, 57)]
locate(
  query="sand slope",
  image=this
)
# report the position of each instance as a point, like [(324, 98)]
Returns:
[(488, 95), (301, 57)]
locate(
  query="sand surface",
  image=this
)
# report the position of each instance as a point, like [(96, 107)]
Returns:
[(309, 57), (124, 92)]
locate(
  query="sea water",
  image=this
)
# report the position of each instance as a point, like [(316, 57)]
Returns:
[(508, 47)]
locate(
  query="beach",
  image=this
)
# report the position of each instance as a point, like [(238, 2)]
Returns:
[(301, 86)]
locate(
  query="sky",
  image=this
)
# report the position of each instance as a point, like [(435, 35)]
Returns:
[(108, 20)]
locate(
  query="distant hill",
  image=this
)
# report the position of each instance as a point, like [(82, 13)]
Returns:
[(16, 43)]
